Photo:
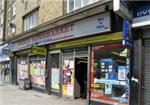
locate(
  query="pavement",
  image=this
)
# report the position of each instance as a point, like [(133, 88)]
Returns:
[(12, 95)]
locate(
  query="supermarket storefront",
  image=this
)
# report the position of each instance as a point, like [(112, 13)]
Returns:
[(84, 59)]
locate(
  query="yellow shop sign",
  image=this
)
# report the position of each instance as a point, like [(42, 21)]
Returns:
[(98, 86), (39, 50), (88, 40)]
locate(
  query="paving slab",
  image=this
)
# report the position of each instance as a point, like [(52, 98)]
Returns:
[(12, 95)]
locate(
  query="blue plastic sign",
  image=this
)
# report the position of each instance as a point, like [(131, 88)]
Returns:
[(126, 34), (143, 9), (141, 15)]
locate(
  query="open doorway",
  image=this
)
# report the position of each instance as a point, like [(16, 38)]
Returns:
[(81, 64)]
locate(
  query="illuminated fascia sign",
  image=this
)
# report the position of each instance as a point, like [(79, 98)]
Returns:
[(121, 7), (141, 15), (92, 25)]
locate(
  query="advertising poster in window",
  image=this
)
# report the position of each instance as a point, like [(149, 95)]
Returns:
[(22, 69), (109, 80), (108, 88), (122, 72), (37, 71), (55, 78), (68, 79)]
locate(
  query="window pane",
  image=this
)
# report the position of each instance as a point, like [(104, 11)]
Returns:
[(93, 1), (13, 28), (77, 4), (25, 25), (36, 18), (33, 20), (70, 5), (1, 33), (14, 9), (28, 24), (55, 61), (30, 20), (86, 2), (110, 70), (2, 4)]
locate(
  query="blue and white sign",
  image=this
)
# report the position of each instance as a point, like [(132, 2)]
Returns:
[(126, 34), (122, 71), (108, 89), (141, 14)]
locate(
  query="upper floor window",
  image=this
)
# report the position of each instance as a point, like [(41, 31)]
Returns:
[(8, 2), (8, 28), (14, 9), (13, 26), (1, 19), (30, 20), (9, 13), (1, 33), (2, 4), (76, 4)]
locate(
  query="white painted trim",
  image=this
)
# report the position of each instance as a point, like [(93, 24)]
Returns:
[(4, 59), (54, 52), (121, 10), (68, 6), (116, 5), (140, 24)]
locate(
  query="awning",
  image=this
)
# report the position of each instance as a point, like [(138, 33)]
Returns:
[(4, 59), (4, 52)]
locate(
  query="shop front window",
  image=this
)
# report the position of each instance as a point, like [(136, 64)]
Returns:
[(109, 70), (55, 73), (22, 69), (68, 77), (37, 72)]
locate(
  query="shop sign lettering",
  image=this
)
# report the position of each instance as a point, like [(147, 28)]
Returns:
[(39, 50), (53, 32), (142, 9), (89, 26), (141, 14)]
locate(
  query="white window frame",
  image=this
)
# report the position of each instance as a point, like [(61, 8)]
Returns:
[(31, 20), (1, 18), (2, 4), (14, 9), (1, 33), (8, 28), (9, 13), (75, 7), (13, 29)]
